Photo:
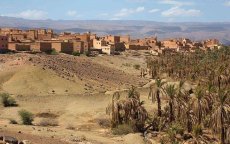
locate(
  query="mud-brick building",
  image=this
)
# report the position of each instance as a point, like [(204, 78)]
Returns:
[(3, 43), (126, 39), (112, 39), (83, 37), (42, 46), (32, 34), (19, 46), (78, 46), (103, 46), (64, 47), (136, 47), (17, 37), (211, 43), (172, 44)]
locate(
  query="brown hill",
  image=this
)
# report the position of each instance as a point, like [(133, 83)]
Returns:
[(63, 74)]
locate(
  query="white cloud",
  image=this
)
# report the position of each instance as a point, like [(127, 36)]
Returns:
[(154, 10), (140, 9), (71, 13), (115, 18), (177, 11), (227, 3), (30, 14), (126, 12), (104, 14), (175, 2)]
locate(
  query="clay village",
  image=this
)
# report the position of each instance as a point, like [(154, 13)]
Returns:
[(45, 40)]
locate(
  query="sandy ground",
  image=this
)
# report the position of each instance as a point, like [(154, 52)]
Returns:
[(81, 112), (70, 92)]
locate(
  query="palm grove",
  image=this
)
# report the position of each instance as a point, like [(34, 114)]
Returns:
[(194, 113)]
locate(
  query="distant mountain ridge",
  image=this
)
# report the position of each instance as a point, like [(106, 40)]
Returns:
[(137, 29)]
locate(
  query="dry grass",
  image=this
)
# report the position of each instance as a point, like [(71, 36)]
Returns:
[(70, 127), (123, 129)]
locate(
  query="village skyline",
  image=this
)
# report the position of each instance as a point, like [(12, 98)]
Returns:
[(46, 40)]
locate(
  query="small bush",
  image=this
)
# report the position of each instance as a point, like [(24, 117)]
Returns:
[(76, 53), (26, 117), (48, 122), (137, 66), (12, 121), (173, 130), (53, 52), (7, 100), (177, 128), (197, 130), (207, 121), (123, 129), (87, 53)]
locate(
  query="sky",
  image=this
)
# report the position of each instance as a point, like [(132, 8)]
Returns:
[(150, 10)]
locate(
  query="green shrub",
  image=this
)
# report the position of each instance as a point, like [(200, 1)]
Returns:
[(123, 129), (87, 53), (197, 130), (53, 52), (177, 128), (26, 117), (12, 121), (76, 53), (173, 130), (7, 100), (137, 66)]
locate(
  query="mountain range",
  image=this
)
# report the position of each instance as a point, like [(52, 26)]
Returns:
[(134, 28)]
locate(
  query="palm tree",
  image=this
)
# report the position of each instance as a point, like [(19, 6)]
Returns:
[(180, 98), (133, 93), (156, 96), (200, 104), (221, 115), (114, 121), (171, 92), (187, 117), (209, 94)]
